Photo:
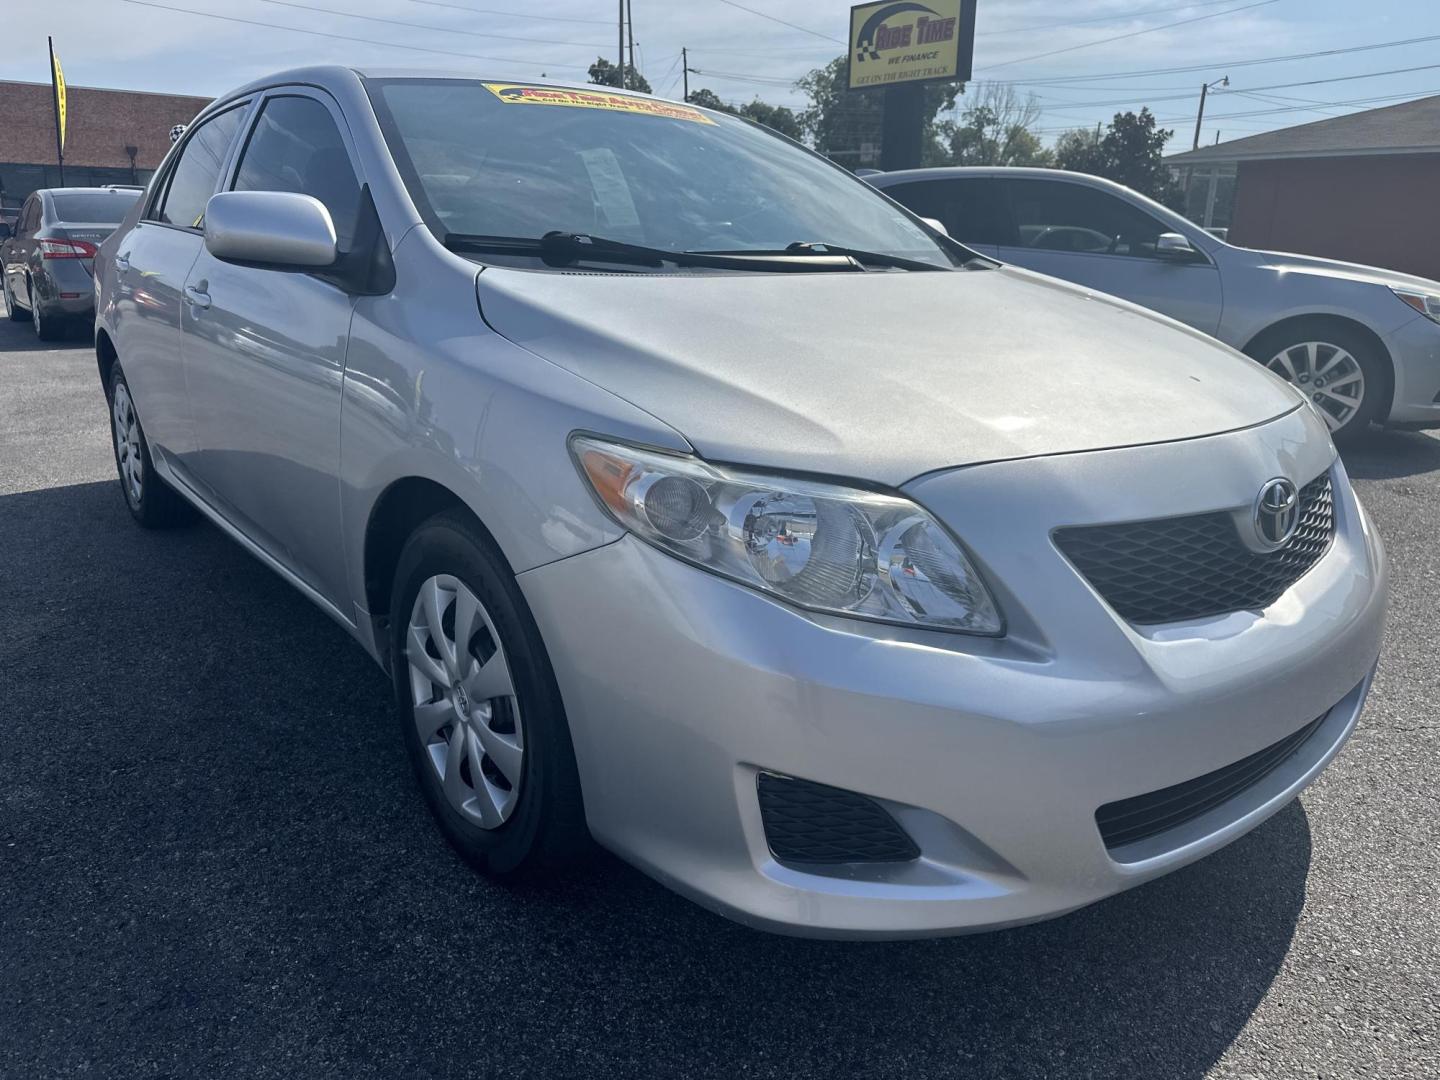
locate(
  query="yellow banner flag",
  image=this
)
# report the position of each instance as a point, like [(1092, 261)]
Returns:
[(59, 79)]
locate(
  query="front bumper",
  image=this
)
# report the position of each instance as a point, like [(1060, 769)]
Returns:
[(1415, 350), (993, 754)]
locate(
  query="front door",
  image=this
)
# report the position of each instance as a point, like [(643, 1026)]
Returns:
[(265, 356), (1079, 233)]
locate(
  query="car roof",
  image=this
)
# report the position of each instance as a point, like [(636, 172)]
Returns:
[(953, 172), (327, 75)]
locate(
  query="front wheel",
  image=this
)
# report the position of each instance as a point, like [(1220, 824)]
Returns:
[(12, 309), (1340, 370), (478, 706)]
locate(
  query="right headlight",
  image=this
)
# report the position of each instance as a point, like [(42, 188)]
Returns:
[(818, 546)]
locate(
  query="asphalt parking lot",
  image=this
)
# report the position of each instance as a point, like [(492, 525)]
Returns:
[(213, 863)]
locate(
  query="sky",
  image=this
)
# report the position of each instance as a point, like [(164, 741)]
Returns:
[(1094, 48)]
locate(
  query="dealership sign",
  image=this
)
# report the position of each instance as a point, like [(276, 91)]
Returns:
[(902, 41)]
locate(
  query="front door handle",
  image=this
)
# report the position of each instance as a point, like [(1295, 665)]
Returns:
[(197, 296)]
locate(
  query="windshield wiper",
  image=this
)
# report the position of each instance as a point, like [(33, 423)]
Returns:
[(565, 249), (819, 250)]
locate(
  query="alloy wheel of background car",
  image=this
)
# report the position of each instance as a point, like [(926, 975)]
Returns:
[(463, 701), (1327, 374), (46, 329), (127, 446)]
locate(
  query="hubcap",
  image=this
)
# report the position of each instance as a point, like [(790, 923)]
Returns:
[(127, 445), (1332, 378), (463, 699)]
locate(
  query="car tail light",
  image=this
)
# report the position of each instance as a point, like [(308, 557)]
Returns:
[(66, 249)]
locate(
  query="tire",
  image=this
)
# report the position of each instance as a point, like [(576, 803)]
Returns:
[(11, 308), (1316, 347), (507, 829), (47, 328), (151, 501)]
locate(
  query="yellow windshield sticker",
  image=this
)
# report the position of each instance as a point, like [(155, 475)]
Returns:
[(518, 94)]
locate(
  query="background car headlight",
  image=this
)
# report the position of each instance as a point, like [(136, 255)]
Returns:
[(1427, 304), (818, 546)]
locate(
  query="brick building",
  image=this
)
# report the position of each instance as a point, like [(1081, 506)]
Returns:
[(1359, 187), (112, 137)]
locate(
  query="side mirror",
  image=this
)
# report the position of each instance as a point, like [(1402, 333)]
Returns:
[(1173, 247), (272, 230), (937, 225)]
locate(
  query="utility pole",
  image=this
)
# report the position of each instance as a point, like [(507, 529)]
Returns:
[(620, 46), (685, 71), (629, 22), (1200, 113)]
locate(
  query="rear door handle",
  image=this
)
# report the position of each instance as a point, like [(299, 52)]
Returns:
[(122, 263), (197, 296)]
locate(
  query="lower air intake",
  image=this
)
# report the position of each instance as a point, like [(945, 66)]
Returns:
[(815, 824)]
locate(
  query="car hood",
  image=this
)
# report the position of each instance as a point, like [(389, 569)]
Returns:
[(1284, 263), (882, 376)]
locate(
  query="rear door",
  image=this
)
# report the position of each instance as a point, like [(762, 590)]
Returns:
[(151, 264), (1094, 238), (971, 208), (265, 353)]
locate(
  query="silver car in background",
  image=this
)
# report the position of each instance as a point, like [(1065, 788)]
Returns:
[(1362, 343), (701, 501), (47, 263)]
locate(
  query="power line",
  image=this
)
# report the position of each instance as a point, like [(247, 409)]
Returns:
[(782, 22), (1337, 78), (1058, 80), (510, 14), (346, 37), (1122, 37), (1101, 18), (429, 26)]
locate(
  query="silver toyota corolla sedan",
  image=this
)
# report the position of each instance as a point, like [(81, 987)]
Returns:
[(702, 501), (1360, 342)]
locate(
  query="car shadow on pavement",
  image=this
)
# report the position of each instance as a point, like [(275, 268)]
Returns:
[(1388, 454), (18, 336), (211, 851)]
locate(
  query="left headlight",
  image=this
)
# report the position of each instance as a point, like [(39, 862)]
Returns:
[(818, 546), (1427, 304)]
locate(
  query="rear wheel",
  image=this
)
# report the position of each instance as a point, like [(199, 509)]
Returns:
[(1339, 369), (47, 327), (151, 501), (478, 707)]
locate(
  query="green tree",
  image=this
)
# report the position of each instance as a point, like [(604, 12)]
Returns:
[(997, 130), (845, 125), (1129, 152), (778, 117), (605, 73)]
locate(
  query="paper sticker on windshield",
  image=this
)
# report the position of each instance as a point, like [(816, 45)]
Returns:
[(517, 94)]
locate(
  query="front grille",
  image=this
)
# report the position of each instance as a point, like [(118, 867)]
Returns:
[(1169, 569), (1147, 815), (813, 823)]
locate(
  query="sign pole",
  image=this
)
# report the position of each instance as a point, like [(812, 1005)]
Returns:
[(55, 92)]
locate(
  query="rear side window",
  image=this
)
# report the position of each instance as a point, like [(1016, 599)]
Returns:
[(972, 210), (107, 209), (296, 146), (193, 179), (1061, 216)]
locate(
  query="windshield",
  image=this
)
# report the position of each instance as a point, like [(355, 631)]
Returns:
[(499, 159), (100, 209)]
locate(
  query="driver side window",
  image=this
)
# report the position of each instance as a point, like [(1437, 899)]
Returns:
[(1063, 216)]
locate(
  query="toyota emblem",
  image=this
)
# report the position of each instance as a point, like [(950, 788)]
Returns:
[(1277, 513)]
